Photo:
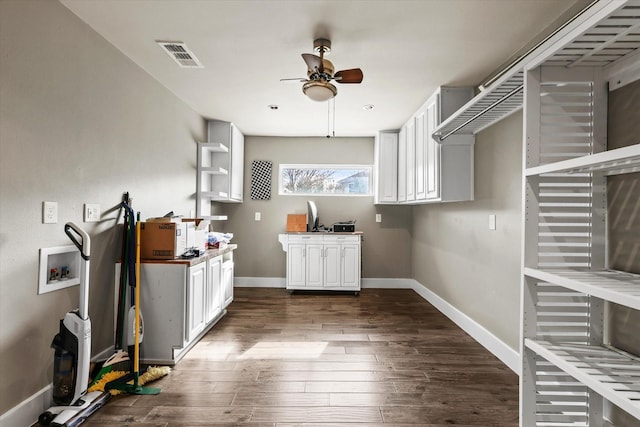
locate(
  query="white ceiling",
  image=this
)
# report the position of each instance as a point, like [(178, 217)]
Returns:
[(406, 49)]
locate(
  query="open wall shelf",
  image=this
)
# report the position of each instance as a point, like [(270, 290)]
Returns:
[(612, 374)]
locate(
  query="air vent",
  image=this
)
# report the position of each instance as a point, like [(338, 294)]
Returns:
[(180, 53)]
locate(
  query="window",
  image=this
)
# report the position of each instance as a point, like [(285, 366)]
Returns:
[(328, 180)]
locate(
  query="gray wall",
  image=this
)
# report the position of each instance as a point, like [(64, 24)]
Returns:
[(79, 123), (386, 246), (455, 255)]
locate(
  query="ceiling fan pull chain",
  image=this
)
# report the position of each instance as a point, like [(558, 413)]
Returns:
[(334, 117)]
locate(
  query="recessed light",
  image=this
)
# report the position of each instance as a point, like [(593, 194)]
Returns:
[(368, 107), (272, 107)]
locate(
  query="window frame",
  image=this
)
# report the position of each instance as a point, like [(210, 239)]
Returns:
[(339, 167)]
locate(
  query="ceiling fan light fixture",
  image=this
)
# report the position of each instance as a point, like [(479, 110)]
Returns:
[(319, 90)]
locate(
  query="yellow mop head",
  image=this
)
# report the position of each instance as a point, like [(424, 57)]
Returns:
[(153, 373)]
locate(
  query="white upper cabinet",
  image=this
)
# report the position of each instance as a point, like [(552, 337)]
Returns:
[(220, 167), (426, 171), (385, 180), (402, 165)]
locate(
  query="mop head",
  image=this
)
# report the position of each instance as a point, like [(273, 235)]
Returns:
[(119, 361), (153, 373)]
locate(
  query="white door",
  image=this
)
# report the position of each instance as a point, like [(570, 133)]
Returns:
[(237, 164), (315, 267), (296, 265), (227, 283), (402, 165), (332, 260), (350, 270), (433, 150), (421, 155), (196, 301), (387, 167), (411, 161), (213, 294)]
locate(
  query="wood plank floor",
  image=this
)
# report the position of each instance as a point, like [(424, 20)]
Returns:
[(385, 357)]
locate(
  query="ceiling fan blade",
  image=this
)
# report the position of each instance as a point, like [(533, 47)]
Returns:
[(353, 75), (314, 62), (298, 79)]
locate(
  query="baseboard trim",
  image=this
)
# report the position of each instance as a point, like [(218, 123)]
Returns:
[(259, 282), (280, 282), (495, 345), (26, 413)]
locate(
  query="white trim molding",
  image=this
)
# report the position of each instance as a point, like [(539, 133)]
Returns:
[(495, 345)]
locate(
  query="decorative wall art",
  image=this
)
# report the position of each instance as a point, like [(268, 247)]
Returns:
[(261, 180)]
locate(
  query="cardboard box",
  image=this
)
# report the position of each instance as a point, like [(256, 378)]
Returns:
[(162, 240), (296, 222)]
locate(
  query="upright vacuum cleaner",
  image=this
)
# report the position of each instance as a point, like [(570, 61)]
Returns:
[(73, 352)]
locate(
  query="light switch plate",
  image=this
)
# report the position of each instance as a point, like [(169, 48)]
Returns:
[(378, 217), (91, 212), (492, 222), (258, 216)]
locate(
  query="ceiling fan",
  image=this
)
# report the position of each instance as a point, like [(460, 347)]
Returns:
[(320, 72)]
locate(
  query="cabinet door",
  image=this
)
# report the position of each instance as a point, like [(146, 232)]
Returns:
[(237, 164), (196, 301), (350, 270), (332, 258), (213, 296), (227, 283), (402, 165), (433, 150), (421, 155), (386, 174), (296, 265), (411, 161), (315, 267)]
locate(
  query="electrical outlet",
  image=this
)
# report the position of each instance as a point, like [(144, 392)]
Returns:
[(378, 217), (91, 212), (49, 212), (258, 216)]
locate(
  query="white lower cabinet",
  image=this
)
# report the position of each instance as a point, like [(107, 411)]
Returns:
[(180, 302), (196, 287), (227, 280), (322, 261), (213, 301)]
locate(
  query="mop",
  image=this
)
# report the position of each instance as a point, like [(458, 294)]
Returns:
[(117, 374), (131, 383), (120, 361)]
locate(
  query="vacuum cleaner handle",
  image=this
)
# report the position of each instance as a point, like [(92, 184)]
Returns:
[(84, 244)]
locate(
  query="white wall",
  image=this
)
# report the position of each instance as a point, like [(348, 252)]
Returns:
[(79, 123)]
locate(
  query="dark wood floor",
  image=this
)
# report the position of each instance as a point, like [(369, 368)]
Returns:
[(385, 357)]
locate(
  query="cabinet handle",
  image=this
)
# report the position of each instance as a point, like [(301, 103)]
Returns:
[(304, 252)]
